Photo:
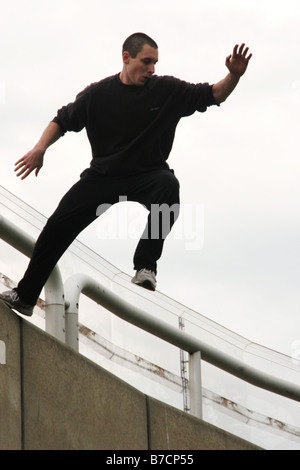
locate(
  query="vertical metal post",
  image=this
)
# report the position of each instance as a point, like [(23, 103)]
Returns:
[(54, 292), (2, 352), (55, 306), (72, 333), (72, 289), (183, 369), (195, 384)]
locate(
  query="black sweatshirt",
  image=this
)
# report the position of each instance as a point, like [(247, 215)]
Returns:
[(130, 128)]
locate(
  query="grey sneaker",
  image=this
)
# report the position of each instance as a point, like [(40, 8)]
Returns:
[(145, 278), (12, 299)]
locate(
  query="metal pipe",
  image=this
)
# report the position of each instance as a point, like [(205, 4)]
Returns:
[(54, 293), (2, 352), (78, 284), (195, 384)]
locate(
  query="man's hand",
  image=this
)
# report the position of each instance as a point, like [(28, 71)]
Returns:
[(237, 62), (33, 160)]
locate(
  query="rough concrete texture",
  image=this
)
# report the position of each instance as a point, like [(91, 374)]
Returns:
[(10, 381), (70, 403), (51, 397), (173, 429)]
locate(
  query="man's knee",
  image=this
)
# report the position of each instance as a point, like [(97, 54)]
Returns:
[(169, 188)]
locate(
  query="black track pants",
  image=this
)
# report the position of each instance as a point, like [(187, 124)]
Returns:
[(157, 190)]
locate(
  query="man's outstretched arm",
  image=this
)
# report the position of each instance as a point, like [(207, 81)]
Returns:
[(237, 64), (33, 160)]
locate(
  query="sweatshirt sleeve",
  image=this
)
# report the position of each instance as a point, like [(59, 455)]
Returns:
[(196, 97), (206, 97), (73, 117), (190, 97)]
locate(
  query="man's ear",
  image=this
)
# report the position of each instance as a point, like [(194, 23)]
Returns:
[(126, 57)]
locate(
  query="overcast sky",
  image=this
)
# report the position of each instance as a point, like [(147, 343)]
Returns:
[(238, 164)]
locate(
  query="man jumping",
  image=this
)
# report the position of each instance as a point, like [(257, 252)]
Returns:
[(130, 119)]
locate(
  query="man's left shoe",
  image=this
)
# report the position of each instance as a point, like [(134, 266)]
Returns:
[(12, 299), (145, 278)]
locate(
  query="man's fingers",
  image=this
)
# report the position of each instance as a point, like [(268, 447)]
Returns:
[(22, 168), (37, 170), (25, 172), (245, 51), (19, 161), (28, 163), (18, 167), (241, 48), (228, 59), (20, 164)]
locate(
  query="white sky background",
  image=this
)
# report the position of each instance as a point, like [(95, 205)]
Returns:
[(239, 162)]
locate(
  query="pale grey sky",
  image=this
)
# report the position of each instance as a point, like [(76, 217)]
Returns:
[(238, 163)]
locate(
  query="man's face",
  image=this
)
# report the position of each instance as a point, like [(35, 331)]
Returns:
[(138, 70)]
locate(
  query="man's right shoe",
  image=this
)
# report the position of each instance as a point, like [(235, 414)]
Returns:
[(12, 299), (145, 278)]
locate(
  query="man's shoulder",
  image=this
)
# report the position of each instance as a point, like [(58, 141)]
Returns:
[(160, 79), (167, 81), (105, 81), (98, 86)]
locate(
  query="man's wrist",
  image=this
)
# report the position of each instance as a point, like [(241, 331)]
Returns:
[(234, 76)]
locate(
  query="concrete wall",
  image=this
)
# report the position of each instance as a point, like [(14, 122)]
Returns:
[(53, 398)]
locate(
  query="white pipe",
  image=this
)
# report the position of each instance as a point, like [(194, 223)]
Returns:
[(54, 293), (195, 384), (78, 284)]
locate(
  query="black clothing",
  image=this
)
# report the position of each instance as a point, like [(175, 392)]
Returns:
[(131, 131), (80, 206), (131, 128)]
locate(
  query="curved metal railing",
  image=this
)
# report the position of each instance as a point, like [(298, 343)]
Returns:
[(54, 292), (62, 309)]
